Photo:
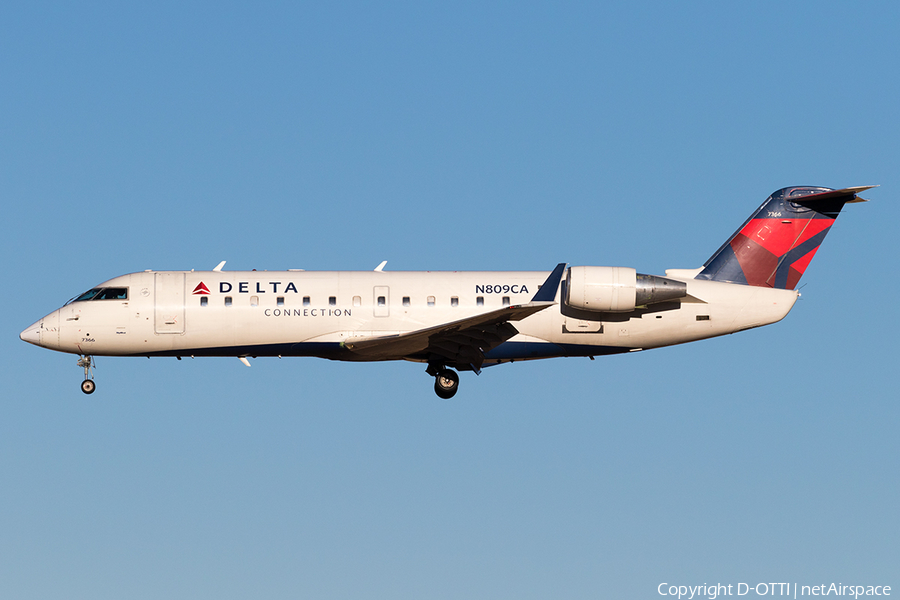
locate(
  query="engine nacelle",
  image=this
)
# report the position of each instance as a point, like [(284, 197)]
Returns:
[(601, 289), (618, 289)]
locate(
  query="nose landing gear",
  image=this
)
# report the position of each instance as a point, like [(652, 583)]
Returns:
[(446, 381), (87, 386)]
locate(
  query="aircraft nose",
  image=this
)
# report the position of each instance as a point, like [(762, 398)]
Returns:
[(32, 334)]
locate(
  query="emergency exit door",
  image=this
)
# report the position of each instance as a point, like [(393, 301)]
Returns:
[(382, 301)]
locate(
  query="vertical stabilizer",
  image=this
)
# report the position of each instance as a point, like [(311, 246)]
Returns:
[(776, 244)]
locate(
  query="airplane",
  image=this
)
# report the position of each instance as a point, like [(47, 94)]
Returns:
[(452, 321)]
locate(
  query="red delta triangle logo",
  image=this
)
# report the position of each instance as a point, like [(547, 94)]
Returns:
[(200, 290)]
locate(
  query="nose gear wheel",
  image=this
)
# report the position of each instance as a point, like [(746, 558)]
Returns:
[(87, 386)]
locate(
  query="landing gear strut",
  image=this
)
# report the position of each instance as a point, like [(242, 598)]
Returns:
[(87, 386), (446, 381)]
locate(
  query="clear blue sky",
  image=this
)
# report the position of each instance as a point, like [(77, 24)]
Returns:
[(174, 135)]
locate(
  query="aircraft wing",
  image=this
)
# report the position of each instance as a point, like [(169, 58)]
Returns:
[(461, 343)]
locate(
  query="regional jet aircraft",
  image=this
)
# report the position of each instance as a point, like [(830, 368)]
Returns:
[(452, 321)]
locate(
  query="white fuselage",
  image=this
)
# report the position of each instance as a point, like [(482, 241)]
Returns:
[(307, 313)]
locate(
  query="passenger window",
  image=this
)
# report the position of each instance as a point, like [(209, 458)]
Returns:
[(430, 300), (405, 300), (305, 300), (254, 300), (505, 300), (479, 301), (357, 301), (227, 300), (279, 301), (454, 301), (332, 301), (204, 300)]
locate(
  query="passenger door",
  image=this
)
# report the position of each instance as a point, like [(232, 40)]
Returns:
[(169, 303)]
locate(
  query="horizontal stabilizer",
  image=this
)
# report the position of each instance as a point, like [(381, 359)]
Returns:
[(850, 192)]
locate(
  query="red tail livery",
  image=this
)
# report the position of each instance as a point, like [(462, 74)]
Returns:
[(775, 245)]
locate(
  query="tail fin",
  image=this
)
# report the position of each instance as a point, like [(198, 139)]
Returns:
[(775, 245)]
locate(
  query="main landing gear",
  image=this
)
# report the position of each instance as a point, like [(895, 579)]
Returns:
[(446, 381), (87, 386)]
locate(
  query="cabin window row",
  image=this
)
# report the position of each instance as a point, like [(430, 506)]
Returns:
[(357, 301), (279, 301)]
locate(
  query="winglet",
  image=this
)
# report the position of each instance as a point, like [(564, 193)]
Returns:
[(547, 291)]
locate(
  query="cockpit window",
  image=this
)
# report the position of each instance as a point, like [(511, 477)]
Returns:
[(87, 295), (112, 294), (102, 294)]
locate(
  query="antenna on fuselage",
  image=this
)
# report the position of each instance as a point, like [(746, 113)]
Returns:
[(380, 267), (219, 266)]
